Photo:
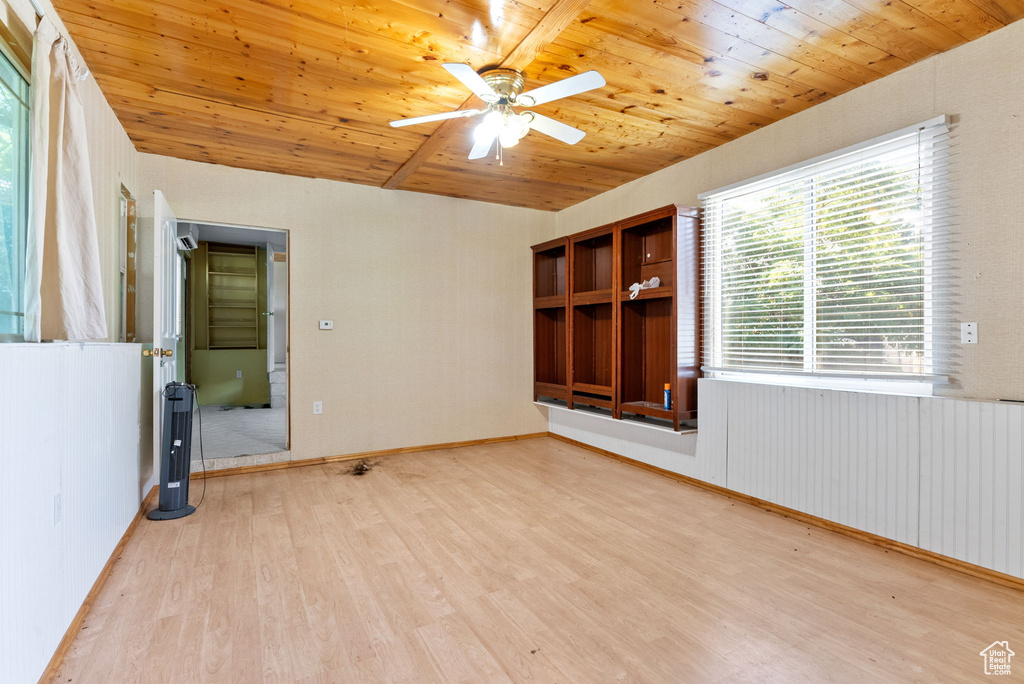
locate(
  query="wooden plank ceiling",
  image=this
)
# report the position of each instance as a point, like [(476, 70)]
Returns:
[(307, 87)]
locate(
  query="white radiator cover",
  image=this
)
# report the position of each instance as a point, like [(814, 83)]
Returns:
[(946, 475), (69, 424)]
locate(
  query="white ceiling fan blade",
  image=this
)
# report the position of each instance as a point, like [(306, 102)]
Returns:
[(472, 80), (574, 85), (556, 129), (457, 114), (482, 146)]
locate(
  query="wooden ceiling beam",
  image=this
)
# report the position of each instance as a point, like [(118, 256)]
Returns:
[(556, 20)]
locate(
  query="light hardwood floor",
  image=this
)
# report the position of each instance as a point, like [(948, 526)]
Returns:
[(525, 561)]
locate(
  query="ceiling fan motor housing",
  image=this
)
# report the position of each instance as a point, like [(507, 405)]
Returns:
[(507, 83)]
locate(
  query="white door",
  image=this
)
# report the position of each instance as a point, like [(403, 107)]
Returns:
[(268, 311), (167, 312)]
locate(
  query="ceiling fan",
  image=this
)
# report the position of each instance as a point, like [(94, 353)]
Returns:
[(502, 91)]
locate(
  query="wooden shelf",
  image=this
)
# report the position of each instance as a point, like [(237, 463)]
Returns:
[(232, 288), (549, 346), (543, 389), (593, 263), (550, 320), (549, 262), (603, 390), (647, 352), (592, 297), (648, 251), (650, 293), (622, 352), (549, 302), (232, 284), (586, 399), (646, 408), (241, 251), (593, 345)]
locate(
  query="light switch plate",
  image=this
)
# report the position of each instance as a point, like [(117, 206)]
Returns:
[(318, 408), (327, 325), (968, 333)]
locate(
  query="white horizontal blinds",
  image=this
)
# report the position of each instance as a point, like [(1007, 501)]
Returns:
[(831, 268)]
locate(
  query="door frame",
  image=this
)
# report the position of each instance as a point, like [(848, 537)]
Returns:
[(186, 315), (288, 318)]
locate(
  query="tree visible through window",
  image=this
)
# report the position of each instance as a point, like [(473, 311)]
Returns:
[(829, 269), (13, 198)]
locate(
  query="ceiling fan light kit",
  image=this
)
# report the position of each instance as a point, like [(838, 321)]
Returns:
[(502, 91)]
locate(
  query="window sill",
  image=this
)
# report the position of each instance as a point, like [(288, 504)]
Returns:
[(911, 388)]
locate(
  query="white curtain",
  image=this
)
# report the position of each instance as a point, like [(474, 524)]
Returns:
[(64, 286)]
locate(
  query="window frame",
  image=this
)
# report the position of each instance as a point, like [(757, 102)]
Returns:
[(24, 169), (934, 311)]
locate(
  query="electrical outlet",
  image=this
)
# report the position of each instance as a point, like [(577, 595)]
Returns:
[(327, 325), (318, 408), (58, 513), (968, 333), (238, 374)]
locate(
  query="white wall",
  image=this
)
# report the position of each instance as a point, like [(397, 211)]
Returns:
[(982, 85), (430, 298), (69, 426)]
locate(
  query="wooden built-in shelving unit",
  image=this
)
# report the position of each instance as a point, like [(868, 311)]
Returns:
[(232, 290), (550, 325), (595, 346), (592, 324)]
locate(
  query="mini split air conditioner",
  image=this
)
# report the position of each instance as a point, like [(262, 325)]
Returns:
[(188, 236)]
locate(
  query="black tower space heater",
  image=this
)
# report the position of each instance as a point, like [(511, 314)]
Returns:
[(175, 453)]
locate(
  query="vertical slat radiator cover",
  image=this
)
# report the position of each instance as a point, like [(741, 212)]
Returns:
[(972, 482), (844, 456), (946, 475)]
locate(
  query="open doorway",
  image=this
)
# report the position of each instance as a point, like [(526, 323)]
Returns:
[(236, 342)]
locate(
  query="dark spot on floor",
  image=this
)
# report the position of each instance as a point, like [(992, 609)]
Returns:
[(359, 468)]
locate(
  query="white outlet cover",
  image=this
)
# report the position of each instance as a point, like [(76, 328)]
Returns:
[(968, 333), (318, 408), (238, 374), (327, 325)]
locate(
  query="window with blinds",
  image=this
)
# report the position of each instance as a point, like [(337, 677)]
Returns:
[(834, 267)]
